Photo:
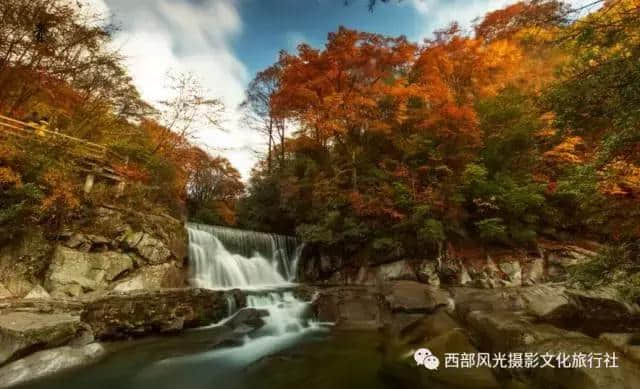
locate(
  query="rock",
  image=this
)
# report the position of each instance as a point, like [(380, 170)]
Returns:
[(422, 328), (400, 367), (454, 272), (24, 260), (512, 271), (148, 247), (463, 277), (600, 310), (18, 286), (48, 362), (79, 242), (548, 303), (20, 332), (625, 376), (249, 317), (38, 292), (136, 282), (533, 272), (351, 307), (399, 270), (427, 273), (561, 256), (592, 312), (627, 343), (73, 272), (456, 341), (509, 331), (119, 315), (166, 275), (414, 297), (543, 301), (87, 242), (490, 276), (4, 292)]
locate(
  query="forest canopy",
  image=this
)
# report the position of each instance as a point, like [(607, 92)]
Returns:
[(527, 128)]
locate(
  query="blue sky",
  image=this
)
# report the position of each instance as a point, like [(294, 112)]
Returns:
[(272, 25), (225, 42)]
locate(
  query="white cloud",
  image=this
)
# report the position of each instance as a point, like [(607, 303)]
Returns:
[(438, 14), (193, 36)]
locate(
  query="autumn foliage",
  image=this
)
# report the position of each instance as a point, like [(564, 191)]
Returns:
[(58, 62), (527, 128)]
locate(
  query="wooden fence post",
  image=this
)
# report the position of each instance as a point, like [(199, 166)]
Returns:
[(88, 183)]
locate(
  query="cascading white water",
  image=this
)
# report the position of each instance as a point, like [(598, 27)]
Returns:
[(265, 264), (229, 258)]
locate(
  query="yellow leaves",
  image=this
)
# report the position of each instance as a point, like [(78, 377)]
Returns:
[(621, 178), (502, 53), (569, 151), (536, 35), (548, 130)]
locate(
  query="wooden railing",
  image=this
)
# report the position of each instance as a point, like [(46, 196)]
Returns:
[(80, 148)]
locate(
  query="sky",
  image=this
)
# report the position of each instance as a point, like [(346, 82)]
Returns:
[(224, 43)]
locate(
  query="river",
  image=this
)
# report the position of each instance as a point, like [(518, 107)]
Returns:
[(290, 351)]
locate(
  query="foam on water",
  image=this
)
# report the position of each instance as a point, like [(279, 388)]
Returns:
[(263, 264)]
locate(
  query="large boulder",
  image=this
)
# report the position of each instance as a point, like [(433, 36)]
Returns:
[(166, 275), (511, 331), (414, 297), (600, 310), (351, 307), (47, 362), (627, 343), (153, 250), (625, 374), (399, 366), (75, 272), (120, 315), (20, 332), (414, 328)]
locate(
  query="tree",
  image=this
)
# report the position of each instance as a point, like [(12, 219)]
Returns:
[(260, 115), (186, 110), (213, 189)]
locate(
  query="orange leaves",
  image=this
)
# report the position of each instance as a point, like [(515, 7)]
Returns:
[(621, 178), (9, 178), (376, 207), (132, 173), (340, 88), (462, 68), (569, 151), (62, 196), (505, 22)]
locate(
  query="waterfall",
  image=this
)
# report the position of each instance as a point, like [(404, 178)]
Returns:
[(224, 257), (264, 264)]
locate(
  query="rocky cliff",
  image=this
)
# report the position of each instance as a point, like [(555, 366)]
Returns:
[(112, 249)]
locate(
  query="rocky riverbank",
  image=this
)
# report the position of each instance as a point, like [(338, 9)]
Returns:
[(42, 336), (112, 249), (549, 318)]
